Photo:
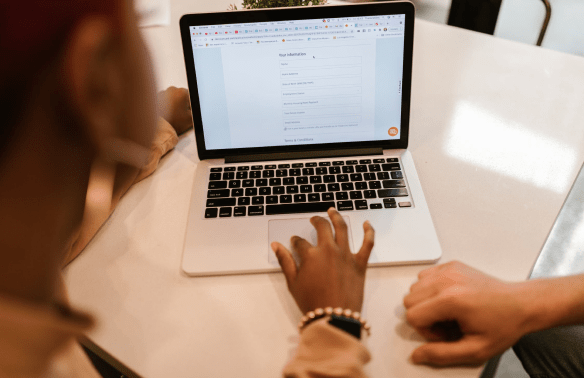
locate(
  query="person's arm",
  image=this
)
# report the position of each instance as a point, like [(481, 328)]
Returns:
[(329, 275), (469, 317), (175, 118)]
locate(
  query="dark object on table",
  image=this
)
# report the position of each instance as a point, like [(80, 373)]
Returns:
[(477, 15)]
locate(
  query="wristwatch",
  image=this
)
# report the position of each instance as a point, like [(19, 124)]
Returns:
[(349, 325)]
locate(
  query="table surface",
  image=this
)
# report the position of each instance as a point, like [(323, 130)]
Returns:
[(497, 138)]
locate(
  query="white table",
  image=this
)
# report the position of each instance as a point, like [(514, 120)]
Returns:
[(497, 136)]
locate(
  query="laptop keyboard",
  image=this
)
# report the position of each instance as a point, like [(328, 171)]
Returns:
[(273, 189)]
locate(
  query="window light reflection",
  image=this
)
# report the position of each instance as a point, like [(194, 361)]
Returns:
[(506, 147)]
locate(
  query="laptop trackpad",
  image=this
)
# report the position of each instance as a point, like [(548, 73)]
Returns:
[(281, 230)]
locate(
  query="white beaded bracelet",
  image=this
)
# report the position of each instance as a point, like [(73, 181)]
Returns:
[(328, 311)]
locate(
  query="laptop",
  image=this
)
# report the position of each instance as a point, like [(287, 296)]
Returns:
[(297, 110)]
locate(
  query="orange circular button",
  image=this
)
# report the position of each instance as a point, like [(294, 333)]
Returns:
[(392, 131)]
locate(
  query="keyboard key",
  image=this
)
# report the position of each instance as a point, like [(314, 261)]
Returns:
[(369, 176), (356, 195), (370, 194), (344, 205), (361, 168), (365, 161), (320, 188), (215, 176), (333, 187), (282, 166), (228, 175), (315, 179), (256, 167), (278, 190), (328, 196), (275, 182), (247, 183), (297, 165), (389, 205), (239, 211), (217, 169), (346, 186), (392, 160), (257, 200), (334, 170), (309, 207), (382, 176), (374, 168), (217, 193), (394, 184), (341, 196), (360, 185), (338, 162), (348, 169), (391, 167), (229, 169), (261, 182), (218, 202), (356, 177), (292, 189), (389, 200), (234, 184), (308, 172), (281, 173), (299, 197), (243, 168), (342, 178), (288, 181), (294, 172), (268, 173), (237, 192), (379, 160), (305, 188), (328, 178), (405, 204), (217, 184), (211, 213), (255, 210), (265, 191), (271, 199), (272, 166), (361, 205), (225, 212), (313, 197), (251, 192), (351, 162), (376, 206), (287, 198), (310, 164), (321, 171), (301, 180), (397, 175), (324, 164), (255, 174), (241, 175), (243, 201), (374, 185), (392, 193)]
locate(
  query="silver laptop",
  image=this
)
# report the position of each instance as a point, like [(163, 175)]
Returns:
[(297, 110)]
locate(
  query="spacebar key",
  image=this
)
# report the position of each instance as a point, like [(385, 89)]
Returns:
[(315, 207)]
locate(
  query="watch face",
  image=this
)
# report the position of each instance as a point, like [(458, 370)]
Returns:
[(349, 325)]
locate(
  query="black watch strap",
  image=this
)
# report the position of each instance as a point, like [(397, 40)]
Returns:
[(349, 325)]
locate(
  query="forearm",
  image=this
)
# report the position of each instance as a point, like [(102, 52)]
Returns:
[(552, 302)]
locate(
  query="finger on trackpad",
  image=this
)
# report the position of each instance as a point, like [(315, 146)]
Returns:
[(281, 230)]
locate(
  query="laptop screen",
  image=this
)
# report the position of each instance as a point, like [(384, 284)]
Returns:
[(300, 82)]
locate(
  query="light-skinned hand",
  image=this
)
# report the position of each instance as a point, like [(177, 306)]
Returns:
[(467, 316), (329, 275), (174, 106)]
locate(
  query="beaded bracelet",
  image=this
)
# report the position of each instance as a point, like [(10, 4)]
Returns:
[(322, 312)]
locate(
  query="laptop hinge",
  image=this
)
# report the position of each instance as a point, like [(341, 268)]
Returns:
[(304, 155)]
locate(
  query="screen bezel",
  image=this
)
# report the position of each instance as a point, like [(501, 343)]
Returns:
[(290, 14)]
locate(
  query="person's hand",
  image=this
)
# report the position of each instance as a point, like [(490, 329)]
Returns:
[(174, 106), (467, 316), (329, 275)]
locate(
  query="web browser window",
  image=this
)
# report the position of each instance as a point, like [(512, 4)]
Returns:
[(300, 82)]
